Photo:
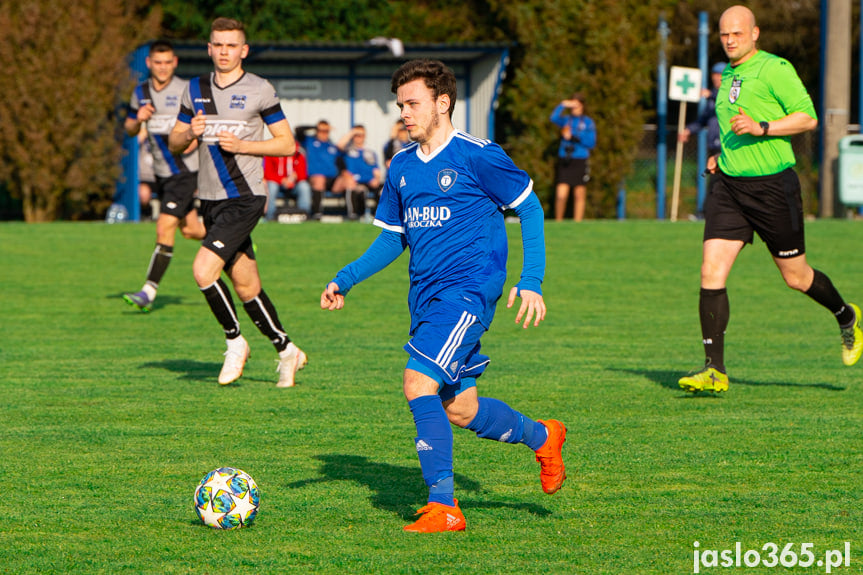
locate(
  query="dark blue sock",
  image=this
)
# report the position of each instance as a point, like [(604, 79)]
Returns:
[(497, 421), (535, 434), (434, 447), (443, 492)]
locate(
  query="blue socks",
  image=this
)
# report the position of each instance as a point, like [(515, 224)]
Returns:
[(494, 420), (497, 421), (443, 492), (535, 434), (434, 447)]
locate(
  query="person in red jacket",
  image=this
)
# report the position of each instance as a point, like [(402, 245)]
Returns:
[(288, 175)]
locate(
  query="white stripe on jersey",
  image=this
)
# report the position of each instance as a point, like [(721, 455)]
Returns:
[(396, 229), (456, 336), (472, 139), (408, 148), (522, 197)]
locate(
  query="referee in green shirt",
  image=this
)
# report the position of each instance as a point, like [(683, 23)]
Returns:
[(760, 105)]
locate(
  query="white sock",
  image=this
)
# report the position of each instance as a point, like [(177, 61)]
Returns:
[(150, 291)]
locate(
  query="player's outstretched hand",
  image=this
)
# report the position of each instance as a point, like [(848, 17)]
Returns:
[(532, 306), (331, 299)]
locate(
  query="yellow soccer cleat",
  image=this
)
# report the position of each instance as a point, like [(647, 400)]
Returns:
[(852, 339), (708, 379)]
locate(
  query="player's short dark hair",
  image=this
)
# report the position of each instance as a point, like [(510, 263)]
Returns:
[(160, 47), (436, 75), (227, 24)]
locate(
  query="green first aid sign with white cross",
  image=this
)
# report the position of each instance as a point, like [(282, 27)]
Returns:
[(685, 84)]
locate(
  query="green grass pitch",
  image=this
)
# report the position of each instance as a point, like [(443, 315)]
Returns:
[(110, 417)]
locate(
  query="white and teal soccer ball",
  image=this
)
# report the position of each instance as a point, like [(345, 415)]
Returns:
[(227, 498)]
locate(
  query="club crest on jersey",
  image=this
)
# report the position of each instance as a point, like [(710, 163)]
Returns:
[(734, 93), (238, 102), (446, 178)]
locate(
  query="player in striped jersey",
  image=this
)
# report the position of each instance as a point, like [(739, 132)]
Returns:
[(226, 112), (444, 197), (155, 104)]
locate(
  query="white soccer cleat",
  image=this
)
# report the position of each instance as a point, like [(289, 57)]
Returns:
[(291, 360), (235, 359)]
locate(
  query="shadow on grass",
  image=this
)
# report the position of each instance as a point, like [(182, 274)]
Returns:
[(398, 489), (188, 369), (668, 379), (204, 371)]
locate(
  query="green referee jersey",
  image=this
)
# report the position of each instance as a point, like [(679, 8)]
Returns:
[(767, 88)]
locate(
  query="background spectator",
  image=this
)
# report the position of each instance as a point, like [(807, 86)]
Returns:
[(707, 118), (287, 175), (360, 172), (577, 138), (321, 155), (399, 138)]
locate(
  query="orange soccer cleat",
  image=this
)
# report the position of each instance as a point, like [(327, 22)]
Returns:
[(552, 473), (437, 517)]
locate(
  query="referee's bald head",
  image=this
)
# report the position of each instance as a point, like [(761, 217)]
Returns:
[(740, 12), (738, 34)]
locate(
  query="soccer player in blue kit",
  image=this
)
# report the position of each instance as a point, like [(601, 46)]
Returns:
[(444, 198)]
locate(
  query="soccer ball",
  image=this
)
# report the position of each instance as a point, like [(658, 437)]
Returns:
[(227, 498)]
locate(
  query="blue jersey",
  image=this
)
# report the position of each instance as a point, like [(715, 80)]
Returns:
[(583, 134), (362, 163), (449, 207), (321, 157)]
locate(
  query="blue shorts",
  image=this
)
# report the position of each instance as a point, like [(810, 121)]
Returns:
[(446, 343)]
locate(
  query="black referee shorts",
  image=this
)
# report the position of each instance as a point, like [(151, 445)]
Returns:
[(770, 206)]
